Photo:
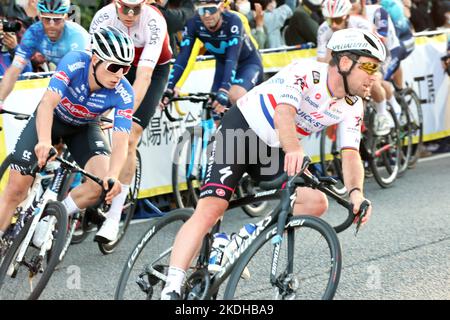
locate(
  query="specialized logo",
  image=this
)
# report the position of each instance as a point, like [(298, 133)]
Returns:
[(225, 172), (301, 81), (316, 77), (127, 114), (76, 110), (61, 75)]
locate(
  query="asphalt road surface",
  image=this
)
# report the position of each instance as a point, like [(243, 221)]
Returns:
[(403, 253)]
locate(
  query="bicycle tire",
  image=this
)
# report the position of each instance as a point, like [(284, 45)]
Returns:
[(406, 141), (4, 168), (57, 210), (129, 209), (297, 223), (392, 170), (178, 215), (332, 168), (190, 198), (417, 124)]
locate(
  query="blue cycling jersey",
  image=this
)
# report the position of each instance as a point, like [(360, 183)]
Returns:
[(78, 105), (73, 37), (229, 44), (401, 22)]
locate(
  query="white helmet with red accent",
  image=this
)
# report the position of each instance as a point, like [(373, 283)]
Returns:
[(336, 8)]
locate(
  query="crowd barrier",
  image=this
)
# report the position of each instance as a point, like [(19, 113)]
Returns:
[(422, 70)]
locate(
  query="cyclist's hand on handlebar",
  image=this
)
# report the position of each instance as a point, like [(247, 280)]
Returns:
[(293, 162), (42, 150), (220, 103), (165, 100), (357, 198), (114, 191)]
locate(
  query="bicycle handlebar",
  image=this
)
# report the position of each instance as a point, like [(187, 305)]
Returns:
[(199, 97), (17, 115)]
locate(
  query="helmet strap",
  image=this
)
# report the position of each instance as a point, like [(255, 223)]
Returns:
[(95, 74), (344, 74)]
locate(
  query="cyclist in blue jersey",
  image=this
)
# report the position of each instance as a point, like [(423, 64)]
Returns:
[(53, 36), (83, 87), (238, 63)]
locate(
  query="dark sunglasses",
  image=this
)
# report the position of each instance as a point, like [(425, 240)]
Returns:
[(114, 67), (368, 67), (209, 9), (337, 21), (127, 10), (56, 20)]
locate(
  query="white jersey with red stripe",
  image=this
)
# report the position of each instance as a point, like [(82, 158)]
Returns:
[(303, 85), (149, 34)]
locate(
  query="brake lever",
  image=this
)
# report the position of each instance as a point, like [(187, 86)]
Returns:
[(361, 214)]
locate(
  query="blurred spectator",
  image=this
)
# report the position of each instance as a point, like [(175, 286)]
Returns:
[(304, 24), (259, 32), (176, 13), (421, 15), (9, 42), (441, 13), (23, 10), (274, 19)]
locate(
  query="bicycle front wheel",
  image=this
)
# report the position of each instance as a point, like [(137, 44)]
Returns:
[(309, 264), (143, 275), (26, 278), (414, 106)]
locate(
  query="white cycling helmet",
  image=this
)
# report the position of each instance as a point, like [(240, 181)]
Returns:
[(112, 44), (336, 8), (131, 2), (359, 42)]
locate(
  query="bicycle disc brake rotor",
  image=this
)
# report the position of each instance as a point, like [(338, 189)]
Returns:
[(197, 285)]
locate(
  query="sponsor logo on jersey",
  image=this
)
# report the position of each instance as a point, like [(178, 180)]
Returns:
[(289, 96), (311, 118), (358, 121), (127, 114), (220, 192), (102, 18), (331, 115), (316, 77), (126, 96), (154, 31), (75, 66), (318, 96), (314, 104), (351, 100), (61, 75), (76, 110), (301, 81)]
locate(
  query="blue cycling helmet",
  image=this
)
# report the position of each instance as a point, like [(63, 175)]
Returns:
[(53, 6)]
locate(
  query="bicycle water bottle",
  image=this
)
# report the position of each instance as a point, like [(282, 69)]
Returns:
[(217, 256), (237, 239)]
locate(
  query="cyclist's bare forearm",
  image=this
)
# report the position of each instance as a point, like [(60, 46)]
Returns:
[(8, 81), (44, 117), (119, 153), (352, 169), (284, 121), (141, 85)]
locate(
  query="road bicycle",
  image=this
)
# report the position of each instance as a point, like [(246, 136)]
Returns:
[(288, 257), (191, 157)]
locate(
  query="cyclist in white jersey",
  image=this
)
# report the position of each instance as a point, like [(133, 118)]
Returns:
[(337, 17), (266, 132), (149, 73)]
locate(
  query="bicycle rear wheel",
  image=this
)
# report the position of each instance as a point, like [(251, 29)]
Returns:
[(128, 209), (151, 253), (310, 271), (186, 168), (26, 279), (384, 156)]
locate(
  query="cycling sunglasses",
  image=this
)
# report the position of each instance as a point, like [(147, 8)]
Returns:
[(337, 21), (115, 67), (56, 20), (368, 67), (209, 9), (135, 10)]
